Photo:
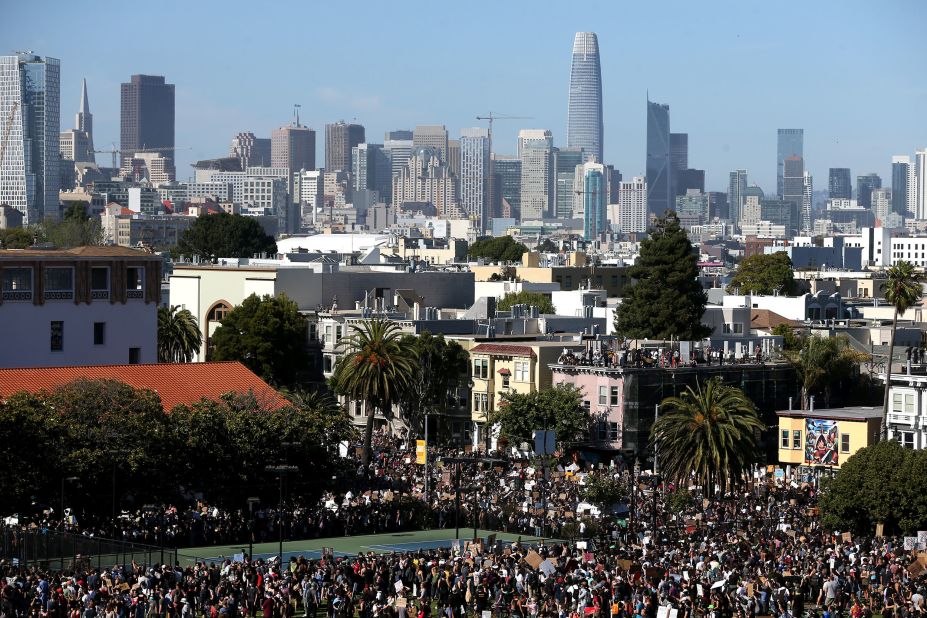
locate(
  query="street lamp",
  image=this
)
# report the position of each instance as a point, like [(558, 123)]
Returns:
[(281, 472), (251, 502), (65, 479)]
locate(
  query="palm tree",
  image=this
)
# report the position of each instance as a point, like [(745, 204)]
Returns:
[(902, 289), (179, 337), (708, 434), (374, 368), (820, 362)]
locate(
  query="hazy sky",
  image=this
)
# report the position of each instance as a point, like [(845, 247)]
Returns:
[(851, 73)]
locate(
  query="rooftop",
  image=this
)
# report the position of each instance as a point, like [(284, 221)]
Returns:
[(78, 252), (858, 413), (175, 383)]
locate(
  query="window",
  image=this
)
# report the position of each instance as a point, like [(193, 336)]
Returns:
[(135, 281), (844, 443), (135, 356), (796, 439), (17, 279), (897, 398), (603, 431), (59, 283), (328, 333), (522, 372), (358, 409), (587, 406), (505, 380), (313, 332), (99, 333), (614, 396), (613, 432), (99, 279), (481, 368), (218, 312), (57, 336), (603, 395), (785, 439), (337, 334), (909, 403), (736, 328), (906, 439)]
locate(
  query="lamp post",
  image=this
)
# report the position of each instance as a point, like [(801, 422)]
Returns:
[(459, 461), (281, 472), (65, 479), (251, 502)]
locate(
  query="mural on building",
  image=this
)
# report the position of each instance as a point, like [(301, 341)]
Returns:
[(821, 442)]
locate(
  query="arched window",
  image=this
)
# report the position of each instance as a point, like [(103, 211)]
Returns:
[(218, 311)]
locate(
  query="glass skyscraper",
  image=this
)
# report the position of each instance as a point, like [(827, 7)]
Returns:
[(791, 143), (594, 222), (839, 183), (901, 175), (29, 93), (659, 173), (584, 115), (474, 172), (565, 162)]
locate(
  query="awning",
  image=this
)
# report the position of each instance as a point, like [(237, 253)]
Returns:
[(504, 372)]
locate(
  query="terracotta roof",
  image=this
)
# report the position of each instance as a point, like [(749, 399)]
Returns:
[(175, 383), (764, 319), (87, 252), (503, 349)]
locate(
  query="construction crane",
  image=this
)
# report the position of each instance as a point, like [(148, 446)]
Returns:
[(7, 129), (116, 151), (490, 118)]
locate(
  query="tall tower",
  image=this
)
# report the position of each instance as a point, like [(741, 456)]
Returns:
[(147, 116), (29, 95), (807, 221), (584, 115), (535, 149), (920, 177), (791, 143), (864, 186), (474, 171), (84, 121), (839, 184), (431, 136), (735, 195), (901, 189), (594, 222), (340, 138), (659, 173)]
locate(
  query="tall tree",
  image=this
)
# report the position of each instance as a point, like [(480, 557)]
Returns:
[(268, 335), (498, 249), (559, 408), (17, 238), (224, 235), (179, 337), (440, 368), (708, 433), (541, 301), (75, 229), (665, 299), (764, 274), (374, 368), (820, 363), (902, 289)]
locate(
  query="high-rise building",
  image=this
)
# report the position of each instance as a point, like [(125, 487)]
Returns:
[(901, 189), (251, 151), (882, 203), (735, 196), (594, 221), (506, 186), (427, 179), (474, 172), (659, 173), (584, 110), (83, 121), (147, 116), (790, 143), (565, 162), (431, 136), (370, 170), (453, 157), (807, 219), (613, 180), (398, 134), (398, 151), (30, 126), (340, 138), (293, 147), (718, 206), (688, 178), (679, 152), (839, 183), (632, 206), (920, 179), (864, 187), (793, 181), (535, 149)]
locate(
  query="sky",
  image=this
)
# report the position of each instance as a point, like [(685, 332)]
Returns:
[(849, 72)]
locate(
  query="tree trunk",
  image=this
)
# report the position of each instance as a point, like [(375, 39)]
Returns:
[(368, 434), (883, 430)]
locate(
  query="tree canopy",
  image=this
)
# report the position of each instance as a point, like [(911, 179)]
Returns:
[(179, 337), (537, 299), (559, 408), (903, 290), (498, 249), (441, 366), (604, 490), (821, 363), (75, 229), (764, 274), (267, 334), (17, 238), (665, 299), (224, 235)]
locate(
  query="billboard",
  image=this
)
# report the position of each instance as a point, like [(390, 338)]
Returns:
[(821, 440)]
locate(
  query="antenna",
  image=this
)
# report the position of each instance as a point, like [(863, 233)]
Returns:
[(296, 107)]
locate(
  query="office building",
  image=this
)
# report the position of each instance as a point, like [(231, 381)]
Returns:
[(735, 195), (308, 189), (74, 146), (790, 143), (251, 151), (688, 179), (398, 151), (399, 134), (585, 129), (864, 187), (920, 179), (370, 170), (881, 204), (692, 208), (632, 207), (427, 179), (613, 181), (340, 138), (147, 116), (807, 219), (506, 186), (474, 172), (839, 183), (718, 207), (293, 147), (453, 157), (566, 160), (793, 181), (535, 149), (679, 151), (594, 194), (30, 121), (659, 173), (901, 184), (432, 136)]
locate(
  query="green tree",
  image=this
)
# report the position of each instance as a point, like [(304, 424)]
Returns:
[(374, 368), (268, 335), (902, 289), (604, 490), (790, 339), (821, 363), (498, 249), (75, 229), (28, 433), (440, 368), (179, 337), (537, 299), (548, 246), (708, 433), (764, 274), (665, 299), (679, 501), (224, 235), (559, 408), (16, 238)]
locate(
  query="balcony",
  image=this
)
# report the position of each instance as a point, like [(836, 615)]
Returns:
[(99, 294), (137, 294), (59, 295), (16, 295)]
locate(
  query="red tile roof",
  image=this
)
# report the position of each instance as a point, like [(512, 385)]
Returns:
[(503, 349), (175, 383)]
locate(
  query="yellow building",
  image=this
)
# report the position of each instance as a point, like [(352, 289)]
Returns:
[(826, 438), (573, 274)]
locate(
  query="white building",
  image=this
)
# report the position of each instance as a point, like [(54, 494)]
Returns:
[(535, 147), (81, 306), (474, 168), (631, 215), (920, 174), (882, 202), (907, 412)]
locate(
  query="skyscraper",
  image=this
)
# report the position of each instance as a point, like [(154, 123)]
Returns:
[(584, 111), (565, 162), (398, 151), (594, 222), (881, 203), (920, 179), (735, 195), (293, 147), (535, 148), (370, 170), (901, 189), (252, 151), (340, 138), (791, 143), (431, 136), (83, 121), (632, 206), (29, 170), (147, 116), (506, 186), (679, 151), (864, 186), (839, 183), (77, 144), (659, 173), (807, 220), (474, 170), (398, 134)]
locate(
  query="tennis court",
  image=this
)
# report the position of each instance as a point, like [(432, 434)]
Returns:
[(348, 545)]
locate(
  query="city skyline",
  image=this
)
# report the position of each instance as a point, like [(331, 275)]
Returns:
[(738, 51)]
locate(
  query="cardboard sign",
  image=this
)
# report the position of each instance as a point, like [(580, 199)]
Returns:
[(700, 590), (398, 586), (547, 568), (624, 564), (534, 559), (847, 537), (916, 569), (910, 542), (880, 530), (401, 602), (749, 590)]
